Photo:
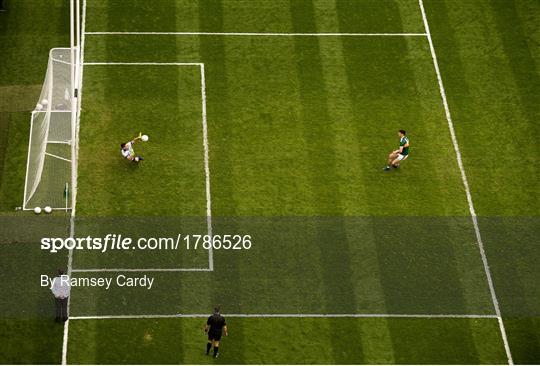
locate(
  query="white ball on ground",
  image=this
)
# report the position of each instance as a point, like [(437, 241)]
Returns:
[(47, 209), (44, 102), (37, 210), (144, 138), (39, 107)]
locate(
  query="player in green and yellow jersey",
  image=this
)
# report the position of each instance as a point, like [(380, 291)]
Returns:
[(400, 154)]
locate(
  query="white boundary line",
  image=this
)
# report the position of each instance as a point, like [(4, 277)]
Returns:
[(206, 167), (58, 157), (419, 316), (263, 34), (90, 270), (75, 159), (466, 186)]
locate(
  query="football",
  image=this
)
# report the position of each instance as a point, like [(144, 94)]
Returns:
[(47, 209), (144, 138), (37, 210)]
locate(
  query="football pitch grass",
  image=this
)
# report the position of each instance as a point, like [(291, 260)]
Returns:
[(275, 118)]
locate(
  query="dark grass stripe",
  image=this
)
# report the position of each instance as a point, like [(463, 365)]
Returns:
[(28, 30), (371, 16), (513, 253), (520, 59), (213, 54), (30, 341), (4, 131), (523, 336), (14, 161), (320, 140)]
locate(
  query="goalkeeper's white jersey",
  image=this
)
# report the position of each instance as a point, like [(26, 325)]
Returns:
[(128, 152)]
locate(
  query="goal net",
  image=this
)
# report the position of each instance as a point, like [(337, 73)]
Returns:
[(49, 164)]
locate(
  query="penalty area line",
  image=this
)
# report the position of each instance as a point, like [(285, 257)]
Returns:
[(418, 316), (259, 34), (82, 270), (206, 166)]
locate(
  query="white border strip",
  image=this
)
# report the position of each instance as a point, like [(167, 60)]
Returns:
[(79, 84), (91, 270), (206, 167), (466, 186), (419, 316), (264, 34)]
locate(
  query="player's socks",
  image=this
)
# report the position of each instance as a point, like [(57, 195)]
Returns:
[(396, 166), (208, 346), (216, 352)]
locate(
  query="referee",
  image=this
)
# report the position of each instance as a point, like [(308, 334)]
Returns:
[(214, 327)]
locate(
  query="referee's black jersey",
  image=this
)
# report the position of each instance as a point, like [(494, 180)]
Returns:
[(216, 323)]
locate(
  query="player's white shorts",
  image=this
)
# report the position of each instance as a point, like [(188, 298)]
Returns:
[(125, 153), (402, 157)]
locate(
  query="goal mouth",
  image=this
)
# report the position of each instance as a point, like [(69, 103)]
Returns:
[(51, 153)]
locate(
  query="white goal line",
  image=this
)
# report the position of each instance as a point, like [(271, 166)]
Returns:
[(417, 316), (260, 34), (142, 270), (52, 208)]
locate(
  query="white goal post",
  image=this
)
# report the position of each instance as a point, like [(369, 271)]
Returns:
[(51, 161)]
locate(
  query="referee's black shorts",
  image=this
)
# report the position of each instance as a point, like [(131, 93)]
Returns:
[(214, 336)]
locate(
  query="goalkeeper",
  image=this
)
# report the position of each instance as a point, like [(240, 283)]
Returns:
[(128, 152)]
